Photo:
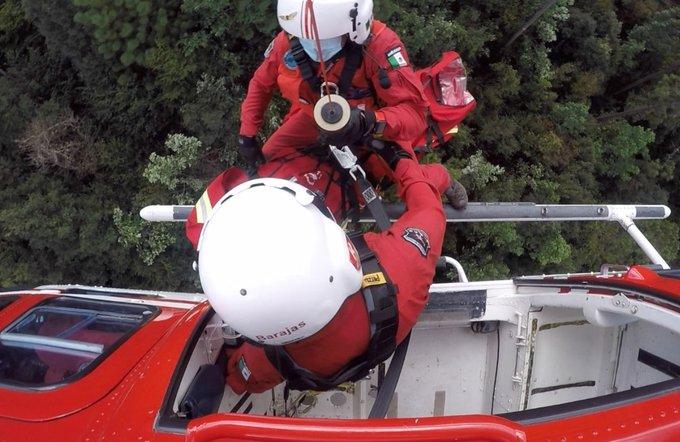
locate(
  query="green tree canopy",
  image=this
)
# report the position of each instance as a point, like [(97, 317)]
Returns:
[(107, 106)]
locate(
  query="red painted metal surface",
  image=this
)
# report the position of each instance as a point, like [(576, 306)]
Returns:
[(262, 428), (18, 307), (121, 398), (20, 404), (118, 400), (137, 414), (657, 419), (639, 277)]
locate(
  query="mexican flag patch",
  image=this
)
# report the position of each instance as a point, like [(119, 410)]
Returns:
[(396, 58)]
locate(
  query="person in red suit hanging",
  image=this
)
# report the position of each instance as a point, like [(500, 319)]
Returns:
[(277, 268), (318, 176)]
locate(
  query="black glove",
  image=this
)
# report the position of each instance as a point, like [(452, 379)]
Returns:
[(250, 150), (359, 126), (390, 152)]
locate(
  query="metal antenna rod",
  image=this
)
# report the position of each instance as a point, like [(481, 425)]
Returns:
[(478, 212), (502, 212)]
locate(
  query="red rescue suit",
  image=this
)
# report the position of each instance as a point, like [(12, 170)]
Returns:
[(303, 169), (407, 252), (402, 106)]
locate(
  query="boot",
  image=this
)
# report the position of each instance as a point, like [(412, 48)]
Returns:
[(456, 195)]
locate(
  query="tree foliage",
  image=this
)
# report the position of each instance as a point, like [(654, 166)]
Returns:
[(107, 106)]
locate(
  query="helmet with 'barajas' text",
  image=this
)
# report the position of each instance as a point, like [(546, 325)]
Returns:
[(274, 264)]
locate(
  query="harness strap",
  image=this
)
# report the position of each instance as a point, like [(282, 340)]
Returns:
[(433, 131), (349, 194), (347, 161), (304, 64), (434, 127), (374, 204), (353, 58), (353, 54), (389, 384), (381, 303)]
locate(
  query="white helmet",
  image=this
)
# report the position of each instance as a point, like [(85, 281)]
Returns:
[(334, 18), (274, 264)]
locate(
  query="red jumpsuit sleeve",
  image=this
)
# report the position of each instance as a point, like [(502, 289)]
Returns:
[(404, 105), (410, 248), (248, 369), (262, 86), (224, 182), (437, 175), (422, 199)]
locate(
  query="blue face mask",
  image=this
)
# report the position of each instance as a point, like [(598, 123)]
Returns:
[(329, 47)]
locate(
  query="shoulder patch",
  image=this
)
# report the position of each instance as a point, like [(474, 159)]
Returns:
[(395, 58), (289, 61), (418, 238), (269, 49)]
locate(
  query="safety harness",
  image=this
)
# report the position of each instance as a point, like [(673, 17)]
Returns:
[(353, 54), (380, 298)]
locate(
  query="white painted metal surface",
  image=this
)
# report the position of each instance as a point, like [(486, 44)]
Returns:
[(481, 212), (624, 216), (544, 352), (19, 339), (206, 351), (132, 300), (571, 359), (646, 336), (462, 277), (448, 370), (160, 295), (31, 292), (159, 213)]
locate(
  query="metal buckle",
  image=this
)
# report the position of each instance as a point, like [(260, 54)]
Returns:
[(332, 88), (348, 161)]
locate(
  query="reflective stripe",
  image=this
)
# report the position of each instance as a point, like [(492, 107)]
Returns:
[(203, 208)]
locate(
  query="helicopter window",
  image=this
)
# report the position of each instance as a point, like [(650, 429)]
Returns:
[(62, 339)]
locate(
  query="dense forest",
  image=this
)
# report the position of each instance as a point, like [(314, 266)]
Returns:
[(110, 105)]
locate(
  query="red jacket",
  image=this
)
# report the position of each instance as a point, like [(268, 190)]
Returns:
[(403, 104), (304, 169), (408, 252)]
